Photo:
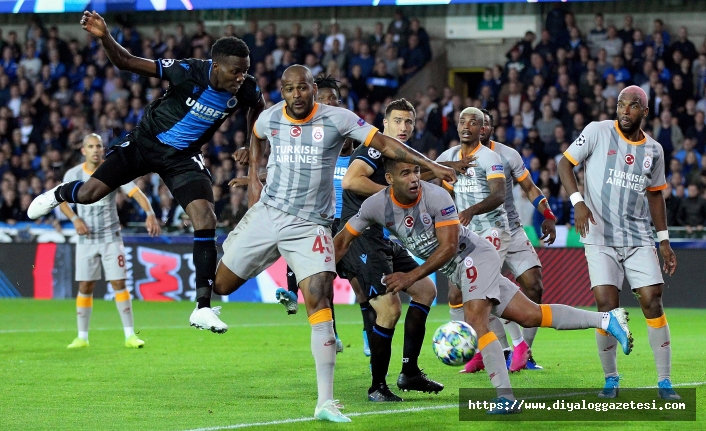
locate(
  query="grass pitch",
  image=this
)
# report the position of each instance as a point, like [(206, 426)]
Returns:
[(260, 374)]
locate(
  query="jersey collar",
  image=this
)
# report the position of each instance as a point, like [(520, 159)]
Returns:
[(394, 201), (85, 169), (460, 151), (640, 142), (305, 120)]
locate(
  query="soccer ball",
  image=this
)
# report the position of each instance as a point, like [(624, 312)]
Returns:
[(455, 343)]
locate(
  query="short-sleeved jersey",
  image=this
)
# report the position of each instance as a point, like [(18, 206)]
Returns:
[(302, 161), (472, 187), (353, 201), (341, 168), (415, 224), (101, 217), (515, 171), (618, 173), (191, 111)]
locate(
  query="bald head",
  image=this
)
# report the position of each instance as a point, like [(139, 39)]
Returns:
[(297, 73), (92, 138), (634, 93), (299, 91)]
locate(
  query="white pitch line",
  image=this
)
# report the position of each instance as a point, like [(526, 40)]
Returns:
[(397, 411), (145, 328)]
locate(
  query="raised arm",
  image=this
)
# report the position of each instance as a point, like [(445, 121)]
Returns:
[(151, 222), (658, 211), (123, 60), (394, 149), (448, 244), (496, 198), (357, 179)]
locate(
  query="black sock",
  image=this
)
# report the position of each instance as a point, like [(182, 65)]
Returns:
[(292, 285), (205, 261), (414, 327), (380, 352), (333, 316), (369, 317), (68, 192)]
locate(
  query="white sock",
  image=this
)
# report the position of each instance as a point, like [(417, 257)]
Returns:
[(515, 332)]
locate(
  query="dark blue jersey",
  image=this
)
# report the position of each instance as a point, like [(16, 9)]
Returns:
[(191, 111)]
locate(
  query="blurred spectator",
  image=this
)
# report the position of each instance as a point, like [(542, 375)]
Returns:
[(692, 210), (334, 34), (423, 141), (399, 27)]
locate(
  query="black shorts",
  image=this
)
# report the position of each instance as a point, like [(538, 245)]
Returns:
[(292, 285), (370, 258), (134, 158)]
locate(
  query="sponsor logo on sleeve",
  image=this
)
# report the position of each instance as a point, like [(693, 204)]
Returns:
[(580, 141), (448, 210), (361, 122), (375, 154), (167, 62), (496, 168)]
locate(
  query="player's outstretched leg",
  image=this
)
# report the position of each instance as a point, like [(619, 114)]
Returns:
[(123, 302), (78, 192), (650, 298), (412, 378), (84, 307), (318, 295)]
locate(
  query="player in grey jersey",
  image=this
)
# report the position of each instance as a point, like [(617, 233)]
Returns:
[(100, 243), (424, 218), (624, 176), (521, 259), (293, 213)]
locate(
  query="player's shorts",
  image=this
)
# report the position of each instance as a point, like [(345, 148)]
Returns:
[(266, 233), (292, 284), (90, 256), (608, 266), (370, 258), (478, 277), (134, 158), (500, 240), (521, 255)]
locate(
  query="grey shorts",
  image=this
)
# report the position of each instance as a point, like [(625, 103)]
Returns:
[(499, 238), (89, 258), (521, 255), (608, 266), (266, 233), (478, 276)]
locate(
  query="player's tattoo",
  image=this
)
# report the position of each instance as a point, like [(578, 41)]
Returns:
[(407, 157)]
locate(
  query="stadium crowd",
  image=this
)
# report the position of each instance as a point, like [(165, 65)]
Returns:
[(54, 91)]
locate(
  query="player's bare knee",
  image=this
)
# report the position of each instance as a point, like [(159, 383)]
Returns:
[(118, 284), (204, 218), (650, 299), (86, 287), (319, 292)]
